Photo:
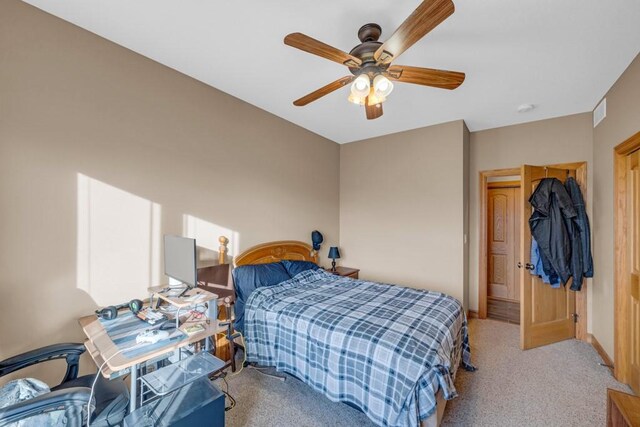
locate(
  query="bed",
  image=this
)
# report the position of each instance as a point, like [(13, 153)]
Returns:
[(389, 351)]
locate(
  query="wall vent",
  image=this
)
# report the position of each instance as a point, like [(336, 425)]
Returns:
[(600, 112)]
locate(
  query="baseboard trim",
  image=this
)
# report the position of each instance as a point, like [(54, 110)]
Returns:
[(472, 314), (603, 354)]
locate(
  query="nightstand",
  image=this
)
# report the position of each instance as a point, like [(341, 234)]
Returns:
[(345, 272)]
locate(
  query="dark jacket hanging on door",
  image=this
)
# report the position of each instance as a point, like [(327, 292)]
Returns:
[(552, 225), (576, 251), (583, 223)]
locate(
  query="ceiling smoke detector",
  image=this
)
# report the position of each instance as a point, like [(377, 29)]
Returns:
[(525, 108)]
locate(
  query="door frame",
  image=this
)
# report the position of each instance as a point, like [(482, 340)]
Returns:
[(484, 261), (581, 297), (621, 341)]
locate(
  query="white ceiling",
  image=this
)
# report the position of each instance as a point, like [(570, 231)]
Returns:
[(560, 55)]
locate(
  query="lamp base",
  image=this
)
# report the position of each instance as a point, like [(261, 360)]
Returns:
[(333, 265)]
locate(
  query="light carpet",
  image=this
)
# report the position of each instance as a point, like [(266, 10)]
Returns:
[(556, 385)]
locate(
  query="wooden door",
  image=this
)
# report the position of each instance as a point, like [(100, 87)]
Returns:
[(503, 251), (546, 314), (633, 266)]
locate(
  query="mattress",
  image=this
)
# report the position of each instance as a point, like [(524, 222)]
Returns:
[(384, 349)]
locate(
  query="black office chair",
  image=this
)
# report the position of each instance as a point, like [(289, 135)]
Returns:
[(111, 398)]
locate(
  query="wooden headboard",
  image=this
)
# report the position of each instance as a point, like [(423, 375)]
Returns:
[(276, 251)]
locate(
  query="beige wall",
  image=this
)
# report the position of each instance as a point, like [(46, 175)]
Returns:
[(91, 132), (402, 208), (560, 140), (622, 121)]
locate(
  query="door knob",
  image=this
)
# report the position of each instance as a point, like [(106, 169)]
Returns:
[(527, 266)]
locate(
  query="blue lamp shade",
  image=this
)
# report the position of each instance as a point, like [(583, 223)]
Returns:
[(334, 252)]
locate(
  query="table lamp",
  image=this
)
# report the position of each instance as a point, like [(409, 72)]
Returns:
[(334, 253)]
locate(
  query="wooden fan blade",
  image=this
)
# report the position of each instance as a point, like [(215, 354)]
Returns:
[(373, 111), (425, 76), (324, 90), (425, 18), (311, 45)]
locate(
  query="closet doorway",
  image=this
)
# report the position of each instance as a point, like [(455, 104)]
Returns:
[(506, 285), (503, 247)]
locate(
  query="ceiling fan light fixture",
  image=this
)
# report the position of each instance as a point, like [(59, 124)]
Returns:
[(358, 100), (361, 86), (375, 99), (382, 86)]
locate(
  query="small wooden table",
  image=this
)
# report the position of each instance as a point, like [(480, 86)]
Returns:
[(345, 272)]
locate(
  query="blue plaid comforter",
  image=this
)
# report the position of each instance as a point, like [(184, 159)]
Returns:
[(385, 349)]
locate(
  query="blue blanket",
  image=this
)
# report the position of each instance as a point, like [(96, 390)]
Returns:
[(385, 349)]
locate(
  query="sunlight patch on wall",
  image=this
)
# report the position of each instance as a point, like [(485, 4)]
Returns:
[(119, 242), (206, 235)]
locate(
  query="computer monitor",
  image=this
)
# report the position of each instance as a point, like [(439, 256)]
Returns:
[(180, 259)]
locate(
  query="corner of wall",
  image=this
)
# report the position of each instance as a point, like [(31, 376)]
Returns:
[(466, 146)]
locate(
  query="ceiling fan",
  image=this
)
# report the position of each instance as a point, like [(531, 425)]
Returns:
[(370, 61)]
